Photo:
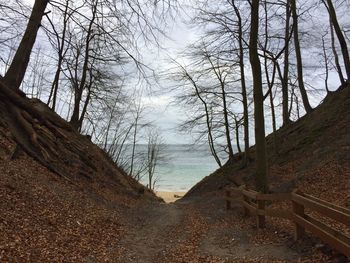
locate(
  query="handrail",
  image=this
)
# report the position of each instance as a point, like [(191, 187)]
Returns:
[(323, 209), (254, 203), (336, 207)]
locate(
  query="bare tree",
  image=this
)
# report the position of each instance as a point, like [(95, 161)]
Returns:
[(325, 56), (297, 48), (61, 44), (240, 37), (154, 156), (261, 158), (335, 54), (221, 72), (15, 73), (35, 81), (340, 35), (285, 79), (205, 110)]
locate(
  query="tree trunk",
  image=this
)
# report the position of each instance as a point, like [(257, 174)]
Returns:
[(207, 118), (326, 64), (237, 136), (243, 85), (61, 45), (15, 74), (227, 127), (336, 57), (54, 86), (302, 89), (84, 110), (261, 159), (342, 41), (82, 84), (270, 83), (285, 99), (221, 79), (74, 121), (138, 112)]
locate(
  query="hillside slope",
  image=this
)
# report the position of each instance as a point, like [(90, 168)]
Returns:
[(62, 198), (312, 154)]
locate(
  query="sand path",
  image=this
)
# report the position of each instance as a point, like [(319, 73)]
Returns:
[(149, 233), (188, 232)]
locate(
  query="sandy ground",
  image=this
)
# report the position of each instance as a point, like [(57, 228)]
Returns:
[(203, 232), (170, 197)]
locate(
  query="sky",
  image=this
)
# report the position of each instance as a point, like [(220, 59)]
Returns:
[(160, 109), (168, 116)]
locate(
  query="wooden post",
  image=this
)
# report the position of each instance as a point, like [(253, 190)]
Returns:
[(299, 210), (228, 202), (261, 218), (245, 199)]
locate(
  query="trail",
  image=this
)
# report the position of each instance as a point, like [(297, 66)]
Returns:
[(189, 231), (150, 232)]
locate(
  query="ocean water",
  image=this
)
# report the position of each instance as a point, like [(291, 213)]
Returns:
[(183, 166)]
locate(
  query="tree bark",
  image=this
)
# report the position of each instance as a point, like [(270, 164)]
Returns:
[(336, 57), (285, 98), (342, 41), (138, 112), (243, 84), (326, 64), (75, 119), (15, 74), (302, 89), (270, 83), (84, 110), (261, 158), (237, 136), (227, 127)]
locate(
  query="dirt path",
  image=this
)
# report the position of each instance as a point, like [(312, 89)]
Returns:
[(150, 232), (189, 232)]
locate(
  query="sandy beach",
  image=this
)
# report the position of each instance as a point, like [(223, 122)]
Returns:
[(170, 197)]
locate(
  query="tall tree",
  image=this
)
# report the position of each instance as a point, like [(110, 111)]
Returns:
[(59, 42), (299, 59), (270, 81), (340, 35), (285, 79), (219, 72), (82, 83), (154, 151), (15, 74), (335, 54), (243, 82), (208, 118), (261, 158)]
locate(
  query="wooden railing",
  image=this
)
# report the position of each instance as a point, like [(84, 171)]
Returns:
[(256, 204)]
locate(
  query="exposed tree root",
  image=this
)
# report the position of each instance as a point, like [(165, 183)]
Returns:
[(50, 140), (15, 153)]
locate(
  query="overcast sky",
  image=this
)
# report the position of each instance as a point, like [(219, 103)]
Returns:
[(159, 110), (167, 117)]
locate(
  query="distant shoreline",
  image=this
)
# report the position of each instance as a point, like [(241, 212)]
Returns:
[(170, 196)]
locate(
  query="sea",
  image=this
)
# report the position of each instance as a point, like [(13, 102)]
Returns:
[(181, 166)]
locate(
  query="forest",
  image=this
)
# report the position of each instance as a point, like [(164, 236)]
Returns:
[(259, 83), (89, 55)]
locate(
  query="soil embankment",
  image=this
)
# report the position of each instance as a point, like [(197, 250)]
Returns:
[(96, 213)]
